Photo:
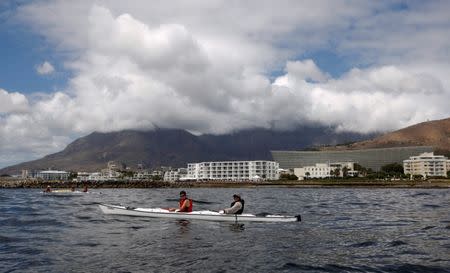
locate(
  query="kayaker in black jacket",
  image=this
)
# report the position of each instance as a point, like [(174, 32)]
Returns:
[(236, 207)]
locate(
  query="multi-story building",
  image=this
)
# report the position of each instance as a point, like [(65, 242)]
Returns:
[(25, 174), (112, 171), (324, 170), (142, 175), (233, 170), (427, 164), (53, 175), (175, 175), (83, 176), (368, 158)]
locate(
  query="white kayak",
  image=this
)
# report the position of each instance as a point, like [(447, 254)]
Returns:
[(195, 215), (64, 193)]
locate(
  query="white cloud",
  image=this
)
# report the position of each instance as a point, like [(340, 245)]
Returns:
[(12, 102), (375, 99), (45, 68), (205, 66)]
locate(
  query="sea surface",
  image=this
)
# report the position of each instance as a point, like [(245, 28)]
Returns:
[(342, 230)]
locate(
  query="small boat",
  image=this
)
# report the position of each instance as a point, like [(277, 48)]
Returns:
[(63, 192), (195, 215)]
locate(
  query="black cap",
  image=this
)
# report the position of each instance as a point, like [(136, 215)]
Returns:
[(182, 192), (237, 195)]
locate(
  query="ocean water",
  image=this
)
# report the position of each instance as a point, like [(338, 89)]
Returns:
[(342, 230)]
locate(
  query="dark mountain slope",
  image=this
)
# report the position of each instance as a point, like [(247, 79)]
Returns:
[(172, 147)]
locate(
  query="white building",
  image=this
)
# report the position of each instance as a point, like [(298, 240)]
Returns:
[(53, 175), (97, 176), (233, 170), (25, 174), (112, 172), (142, 175), (324, 170), (175, 175), (427, 164), (83, 176)]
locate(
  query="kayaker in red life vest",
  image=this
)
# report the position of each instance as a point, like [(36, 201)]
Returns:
[(236, 207), (48, 189), (85, 188), (185, 204)]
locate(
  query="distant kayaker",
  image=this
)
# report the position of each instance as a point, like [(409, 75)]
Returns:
[(48, 189), (185, 204), (85, 189), (236, 207)]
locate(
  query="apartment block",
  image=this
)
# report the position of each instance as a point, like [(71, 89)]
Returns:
[(427, 164), (233, 170)]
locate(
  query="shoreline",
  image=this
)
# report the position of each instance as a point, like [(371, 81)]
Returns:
[(35, 184)]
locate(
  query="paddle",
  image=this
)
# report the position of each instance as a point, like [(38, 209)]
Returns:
[(196, 201)]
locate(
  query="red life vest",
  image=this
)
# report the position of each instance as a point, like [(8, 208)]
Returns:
[(188, 209)]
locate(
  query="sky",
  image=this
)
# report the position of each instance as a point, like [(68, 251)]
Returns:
[(68, 68)]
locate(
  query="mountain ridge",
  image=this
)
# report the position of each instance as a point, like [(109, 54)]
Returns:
[(434, 133), (176, 147)]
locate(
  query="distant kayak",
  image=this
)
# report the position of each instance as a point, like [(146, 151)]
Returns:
[(64, 193), (195, 215)]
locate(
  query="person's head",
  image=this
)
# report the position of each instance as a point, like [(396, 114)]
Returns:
[(182, 194), (48, 186), (237, 197)]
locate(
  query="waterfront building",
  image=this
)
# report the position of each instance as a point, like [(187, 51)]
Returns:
[(368, 158), (52, 175), (175, 175), (83, 176), (142, 175), (160, 171), (285, 172), (233, 170), (112, 172), (427, 165), (25, 174), (97, 176), (325, 170), (115, 166)]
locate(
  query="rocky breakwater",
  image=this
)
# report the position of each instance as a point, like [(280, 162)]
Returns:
[(38, 183), (10, 182)]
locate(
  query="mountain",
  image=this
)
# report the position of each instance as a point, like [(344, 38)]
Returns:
[(176, 148), (431, 133)]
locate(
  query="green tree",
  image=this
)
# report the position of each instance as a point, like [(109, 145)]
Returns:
[(417, 177), (126, 174), (307, 175), (362, 170), (72, 175), (337, 172), (286, 176), (395, 169), (157, 178), (345, 172)]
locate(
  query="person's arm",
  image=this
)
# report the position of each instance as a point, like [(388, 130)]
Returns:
[(185, 205), (237, 206)]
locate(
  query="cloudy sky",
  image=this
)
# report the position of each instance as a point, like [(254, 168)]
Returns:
[(69, 68)]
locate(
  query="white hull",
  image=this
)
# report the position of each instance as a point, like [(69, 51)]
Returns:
[(195, 215), (64, 193)]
